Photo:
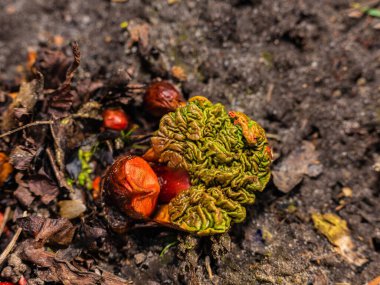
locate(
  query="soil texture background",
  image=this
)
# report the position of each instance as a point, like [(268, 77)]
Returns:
[(306, 70)]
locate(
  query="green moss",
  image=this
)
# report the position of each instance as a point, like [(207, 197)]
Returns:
[(227, 157)]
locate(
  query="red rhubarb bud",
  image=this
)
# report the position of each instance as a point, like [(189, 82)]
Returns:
[(131, 185)]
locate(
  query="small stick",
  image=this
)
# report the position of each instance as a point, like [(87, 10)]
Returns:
[(109, 145), (61, 181), (11, 244), (5, 219), (270, 92), (273, 136), (36, 123), (208, 267), (58, 150), (74, 65), (72, 68)]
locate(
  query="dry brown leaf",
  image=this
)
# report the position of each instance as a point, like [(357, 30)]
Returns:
[(57, 231), (43, 187), (21, 157), (25, 100), (56, 267), (302, 161)]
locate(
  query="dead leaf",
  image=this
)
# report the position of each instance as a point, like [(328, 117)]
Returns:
[(52, 270), (302, 161), (55, 267), (21, 156), (67, 254), (57, 231), (41, 186), (29, 93), (25, 100), (32, 251), (61, 99), (335, 229), (53, 64), (23, 195)]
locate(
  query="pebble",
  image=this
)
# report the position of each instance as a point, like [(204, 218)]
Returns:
[(139, 258)]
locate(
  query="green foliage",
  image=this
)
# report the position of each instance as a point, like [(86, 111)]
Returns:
[(167, 247), (373, 12), (84, 177), (227, 157)]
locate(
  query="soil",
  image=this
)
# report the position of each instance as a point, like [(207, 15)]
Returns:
[(305, 70)]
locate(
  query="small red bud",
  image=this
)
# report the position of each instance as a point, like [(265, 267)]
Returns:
[(161, 98), (172, 182), (115, 119)]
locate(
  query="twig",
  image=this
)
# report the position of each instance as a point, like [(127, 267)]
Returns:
[(57, 148), (71, 70), (75, 64), (273, 137), (5, 219), (208, 267), (36, 123), (270, 92), (109, 145), (58, 175), (11, 244)]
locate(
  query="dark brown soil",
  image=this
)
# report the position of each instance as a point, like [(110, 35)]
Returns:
[(303, 69)]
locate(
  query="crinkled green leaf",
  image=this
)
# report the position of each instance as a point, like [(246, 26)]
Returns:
[(227, 157)]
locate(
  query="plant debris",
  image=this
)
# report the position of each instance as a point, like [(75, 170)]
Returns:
[(59, 231), (336, 231), (302, 161)]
